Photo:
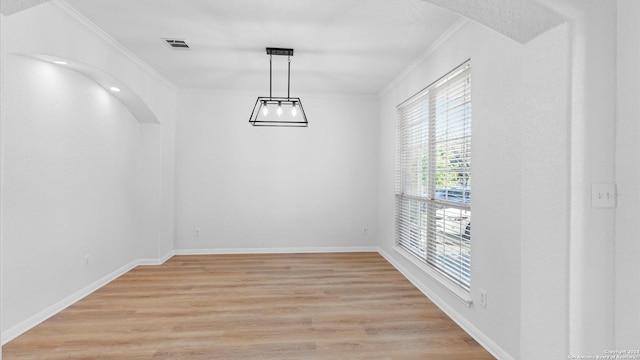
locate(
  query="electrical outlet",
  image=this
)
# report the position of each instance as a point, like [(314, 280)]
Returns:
[(86, 260), (483, 299)]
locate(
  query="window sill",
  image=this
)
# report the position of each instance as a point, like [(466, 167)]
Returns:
[(447, 284)]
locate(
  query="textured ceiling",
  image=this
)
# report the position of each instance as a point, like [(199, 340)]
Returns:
[(8, 7), (341, 46), (521, 20)]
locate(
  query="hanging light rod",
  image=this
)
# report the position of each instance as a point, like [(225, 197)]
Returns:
[(279, 111)]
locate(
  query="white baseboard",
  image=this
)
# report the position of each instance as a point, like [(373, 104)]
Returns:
[(160, 261), (43, 315), (274, 250), (467, 326)]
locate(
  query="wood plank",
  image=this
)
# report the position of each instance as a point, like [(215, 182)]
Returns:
[(267, 306)]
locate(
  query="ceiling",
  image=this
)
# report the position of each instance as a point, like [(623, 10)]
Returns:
[(341, 46), (8, 7)]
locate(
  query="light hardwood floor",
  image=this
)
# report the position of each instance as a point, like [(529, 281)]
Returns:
[(283, 306)]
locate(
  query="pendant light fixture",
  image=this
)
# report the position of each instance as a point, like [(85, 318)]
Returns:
[(279, 111)]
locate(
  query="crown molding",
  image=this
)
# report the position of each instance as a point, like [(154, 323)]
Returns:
[(455, 28), (95, 29), (256, 93), (298, 250)]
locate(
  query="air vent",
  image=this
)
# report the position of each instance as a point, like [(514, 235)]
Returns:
[(177, 43)]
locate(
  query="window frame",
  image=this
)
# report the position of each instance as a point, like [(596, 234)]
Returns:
[(421, 215)]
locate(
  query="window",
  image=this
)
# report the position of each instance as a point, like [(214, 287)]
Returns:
[(433, 182)]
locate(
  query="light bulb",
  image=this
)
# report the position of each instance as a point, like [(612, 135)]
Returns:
[(265, 109), (294, 110), (279, 109)]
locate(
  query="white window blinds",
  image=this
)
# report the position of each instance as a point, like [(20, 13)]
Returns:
[(433, 182)]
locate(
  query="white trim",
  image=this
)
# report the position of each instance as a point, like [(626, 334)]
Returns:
[(458, 318), (205, 91), (43, 315), (274, 250), (3, 135), (255, 93), (159, 261), (52, 310), (446, 284), (457, 26), (467, 326), (95, 29)]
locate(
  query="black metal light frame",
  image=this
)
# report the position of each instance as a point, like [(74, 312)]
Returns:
[(264, 101)]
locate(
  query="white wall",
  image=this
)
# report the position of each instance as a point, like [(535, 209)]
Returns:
[(571, 257), (530, 292), (275, 188), (545, 196), (593, 161), (592, 135), (627, 257), (69, 186), (3, 58), (496, 68), (56, 29), (167, 180), (81, 174)]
